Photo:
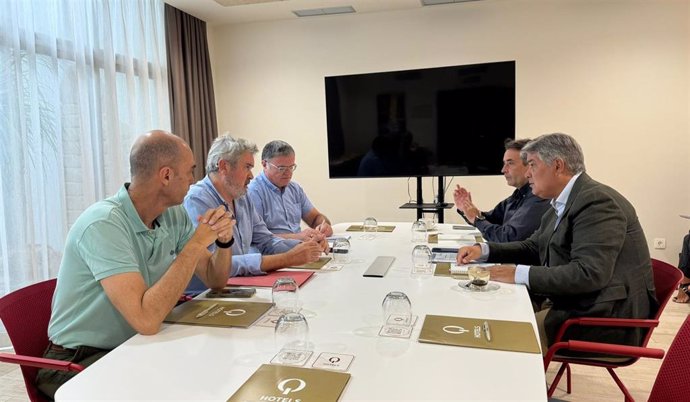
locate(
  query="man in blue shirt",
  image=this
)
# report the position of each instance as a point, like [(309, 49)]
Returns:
[(255, 250), (128, 258), (514, 218), (280, 201)]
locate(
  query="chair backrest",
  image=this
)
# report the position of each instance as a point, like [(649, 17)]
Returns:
[(671, 382), (25, 313), (666, 279)]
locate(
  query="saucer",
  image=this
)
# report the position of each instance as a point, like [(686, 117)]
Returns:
[(490, 287)]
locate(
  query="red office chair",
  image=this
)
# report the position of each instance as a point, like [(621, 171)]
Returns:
[(666, 278), (25, 313), (671, 382)]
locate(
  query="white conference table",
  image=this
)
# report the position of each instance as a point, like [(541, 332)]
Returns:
[(343, 309)]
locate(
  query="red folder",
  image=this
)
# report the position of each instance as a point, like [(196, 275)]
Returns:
[(267, 280)]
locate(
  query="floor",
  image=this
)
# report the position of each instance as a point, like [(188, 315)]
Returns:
[(589, 384)]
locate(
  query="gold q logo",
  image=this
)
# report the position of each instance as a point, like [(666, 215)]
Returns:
[(286, 386), (235, 312), (454, 329)]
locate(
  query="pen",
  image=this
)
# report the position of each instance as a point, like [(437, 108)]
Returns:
[(205, 311), (487, 331)]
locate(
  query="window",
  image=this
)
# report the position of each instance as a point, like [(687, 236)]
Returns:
[(78, 82)]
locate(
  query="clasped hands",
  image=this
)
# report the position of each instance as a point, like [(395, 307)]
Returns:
[(214, 224), (500, 273)]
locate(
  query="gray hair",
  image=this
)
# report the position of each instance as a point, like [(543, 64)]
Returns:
[(550, 147), (229, 149), (276, 148)]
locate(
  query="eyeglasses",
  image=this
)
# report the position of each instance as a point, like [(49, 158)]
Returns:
[(283, 169)]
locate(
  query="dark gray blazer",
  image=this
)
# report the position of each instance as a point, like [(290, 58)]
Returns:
[(595, 264)]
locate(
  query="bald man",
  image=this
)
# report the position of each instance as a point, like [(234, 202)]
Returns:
[(128, 258)]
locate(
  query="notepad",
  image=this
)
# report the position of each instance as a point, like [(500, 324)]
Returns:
[(218, 313), (461, 269), (267, 281), (318, 264), (379, 228), (284, 383), (515, 336)]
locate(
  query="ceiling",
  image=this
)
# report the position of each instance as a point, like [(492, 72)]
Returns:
[(244, 11)]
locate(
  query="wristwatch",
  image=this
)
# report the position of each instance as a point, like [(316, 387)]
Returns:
[(229, 244)]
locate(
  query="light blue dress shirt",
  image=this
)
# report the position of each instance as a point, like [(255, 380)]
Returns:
[(252, 238), (522, 271), (282, 210)]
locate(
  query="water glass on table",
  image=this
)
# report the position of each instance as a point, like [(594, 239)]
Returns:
[(397, 309), (285, 295), (419, 231), (369, 226), (341, 251), (291, 337), (421, 260)]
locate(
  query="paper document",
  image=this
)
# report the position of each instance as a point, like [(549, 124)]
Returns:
[(339, 236), (461, 269), (465, 237), (440, 256)]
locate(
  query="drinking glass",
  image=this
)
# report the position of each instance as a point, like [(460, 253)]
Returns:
[(479, 277), (341, 251), (419, 232), (285, 294), (430, 221), (421, 259), (369, 226), (292, 332), (397, 309)]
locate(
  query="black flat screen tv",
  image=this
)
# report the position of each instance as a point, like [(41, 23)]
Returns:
[(444, 121)]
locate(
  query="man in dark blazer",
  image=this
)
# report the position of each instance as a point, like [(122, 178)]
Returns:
[(589, 256)]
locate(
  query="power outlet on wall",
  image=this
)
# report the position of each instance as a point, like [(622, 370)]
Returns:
[(660, 243)]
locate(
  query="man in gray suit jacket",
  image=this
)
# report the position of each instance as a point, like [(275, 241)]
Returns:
[(589, 256)]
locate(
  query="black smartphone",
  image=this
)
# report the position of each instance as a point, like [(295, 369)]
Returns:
[(232, 292)]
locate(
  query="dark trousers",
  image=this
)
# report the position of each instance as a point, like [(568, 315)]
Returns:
[(684, 260), (48, 381)]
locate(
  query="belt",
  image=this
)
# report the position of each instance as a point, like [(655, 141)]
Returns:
[(58, 348)]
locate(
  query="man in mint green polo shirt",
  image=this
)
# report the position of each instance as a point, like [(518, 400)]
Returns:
[(128, 258)]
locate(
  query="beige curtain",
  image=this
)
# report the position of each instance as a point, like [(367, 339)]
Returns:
[(192, 104)]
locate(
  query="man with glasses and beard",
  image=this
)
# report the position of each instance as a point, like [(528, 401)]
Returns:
[(255, 250)]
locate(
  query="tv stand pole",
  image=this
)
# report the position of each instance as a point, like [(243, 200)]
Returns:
[(437, 207)]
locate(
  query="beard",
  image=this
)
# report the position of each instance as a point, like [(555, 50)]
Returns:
[(236, 190)]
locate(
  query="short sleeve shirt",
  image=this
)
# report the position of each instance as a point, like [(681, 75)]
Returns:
[(109, 238)]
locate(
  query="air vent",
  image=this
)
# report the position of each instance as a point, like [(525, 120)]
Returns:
[(312, 12)]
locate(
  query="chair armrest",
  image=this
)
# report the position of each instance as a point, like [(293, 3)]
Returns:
[(605, 348), (605, 322), (40, 362)]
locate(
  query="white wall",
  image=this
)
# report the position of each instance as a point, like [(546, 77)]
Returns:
[(614, 74)]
